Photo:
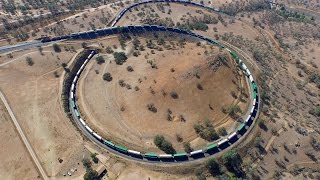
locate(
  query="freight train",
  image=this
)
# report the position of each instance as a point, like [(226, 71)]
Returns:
[(216, 147)]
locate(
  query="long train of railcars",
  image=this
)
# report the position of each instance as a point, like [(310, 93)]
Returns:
[(216, 147)]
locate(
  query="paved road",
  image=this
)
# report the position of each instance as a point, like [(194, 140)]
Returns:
[(24, 138)]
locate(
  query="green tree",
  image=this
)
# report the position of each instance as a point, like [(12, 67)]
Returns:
[(213, 166), (94, 157), (232, 160), (120, 57), (222, 131), (56, 48), (100, 60), (187, 147), (91, 175), (107, 77), (163, 144)]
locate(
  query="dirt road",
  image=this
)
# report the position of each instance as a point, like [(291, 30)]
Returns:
[(24, 138)]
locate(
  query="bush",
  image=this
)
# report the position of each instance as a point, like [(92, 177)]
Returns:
[(94, 157), (187, 147), (107, 77), (174, 95), (100, 60), (163, 144), (315, 111), (222, 131), (120, 57), (206, 132), (129, 68), (232, 160), (91, 175), (109, 50), (56, 48), (213, 166), (152, 108), (29, 61)]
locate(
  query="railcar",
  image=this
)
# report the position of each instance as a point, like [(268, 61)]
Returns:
[(72, 87), (242, 126), (82, 121), (134, 152), (97, 136), (222, 142), (120, 148), (165, 156), (212, 147), (76, 112), (150, 155), (89, 129), (108, 143), (196, 152), (73, 104), (231, 136), (71, 95), (180, 155), (75, 79)]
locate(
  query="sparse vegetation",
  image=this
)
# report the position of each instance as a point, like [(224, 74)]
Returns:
[(163, 144), (56, 48), (107, 77), (120, 57), (29, 61), (206, 131)]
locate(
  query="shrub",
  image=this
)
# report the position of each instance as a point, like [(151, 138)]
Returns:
[(187, 147), (213, 166), (129, 68), (206, 132), (122, 83), (107, 77), (152, 108), (232, 160), (222, 131), (109, 50), (163, 144), (120, 57), (29, 61), (199, 86), (100, 60), (56, 48), (174, 95), (315, 111), (94, 157)]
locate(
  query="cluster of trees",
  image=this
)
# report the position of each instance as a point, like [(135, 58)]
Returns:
[(228, 167), (206, 131), (163, 144), (90, 173), (236, 7)]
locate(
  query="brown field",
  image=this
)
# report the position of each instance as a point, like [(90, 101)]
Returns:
[(101, 102), (15, 164), (35, 99)]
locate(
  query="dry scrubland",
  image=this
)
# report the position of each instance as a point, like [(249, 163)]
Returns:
[(35, 99), (15, 164), (204, 86), (282, 52), (283, 49)]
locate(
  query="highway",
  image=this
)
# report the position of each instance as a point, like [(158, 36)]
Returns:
[(24, 138)]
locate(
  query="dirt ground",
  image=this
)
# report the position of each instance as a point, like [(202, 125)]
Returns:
[(15, 164), (101, 102), (35, 99)]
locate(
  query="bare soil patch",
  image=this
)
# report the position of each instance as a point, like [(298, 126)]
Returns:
[(121, 113)]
